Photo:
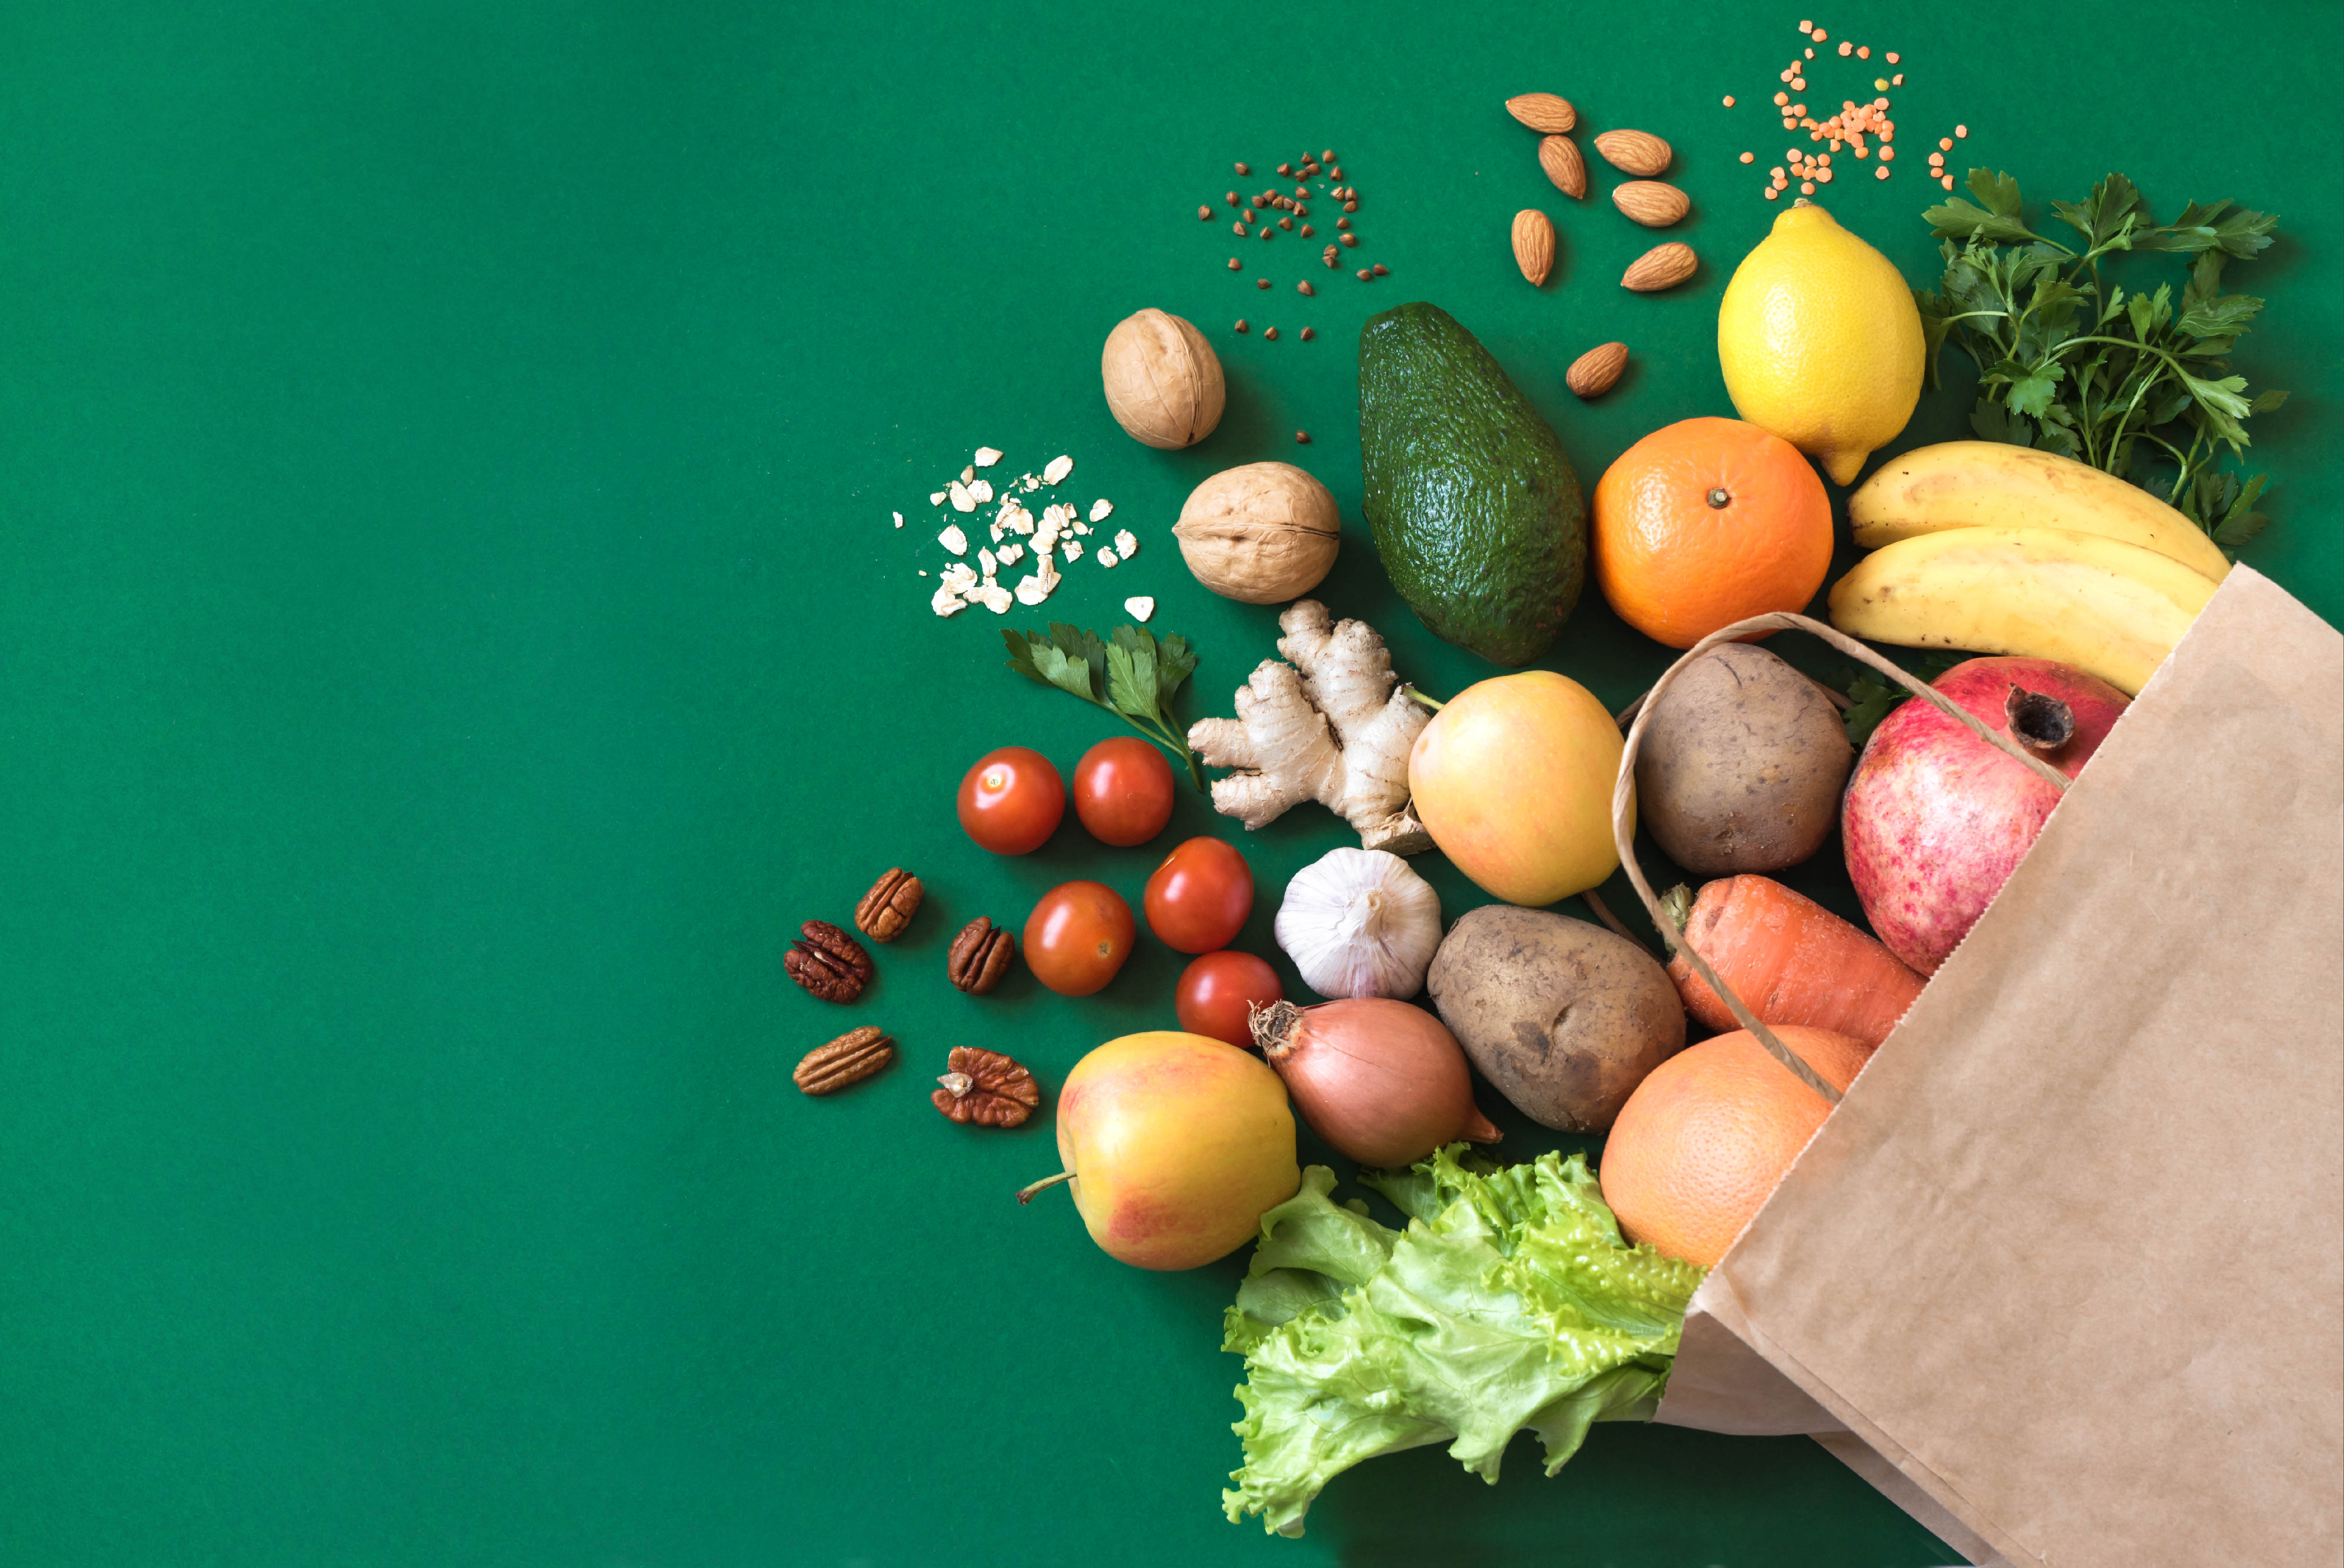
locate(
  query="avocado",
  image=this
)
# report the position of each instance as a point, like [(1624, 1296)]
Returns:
[(1476, 513)]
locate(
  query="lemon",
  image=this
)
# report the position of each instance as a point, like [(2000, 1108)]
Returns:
[(1820, 341)]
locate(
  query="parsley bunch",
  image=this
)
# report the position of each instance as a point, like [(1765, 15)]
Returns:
[(2129, 383), (1133, 675)]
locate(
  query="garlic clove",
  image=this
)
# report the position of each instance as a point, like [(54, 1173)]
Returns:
[(1360, 923)]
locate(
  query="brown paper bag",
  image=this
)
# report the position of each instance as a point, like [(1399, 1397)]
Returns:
[(2063, 1274)]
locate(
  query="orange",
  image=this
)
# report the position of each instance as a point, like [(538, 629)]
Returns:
[(1708, 1134), (1705, 522)]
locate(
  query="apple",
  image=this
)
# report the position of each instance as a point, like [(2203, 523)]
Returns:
[(1936, 819), (1175, 1146), (1513, 780)]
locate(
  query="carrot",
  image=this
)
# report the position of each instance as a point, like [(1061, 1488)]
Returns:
[(1790, 961)]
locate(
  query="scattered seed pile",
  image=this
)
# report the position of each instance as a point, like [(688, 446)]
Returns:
[(1858, 130), (1272, 211), (1014, 534)]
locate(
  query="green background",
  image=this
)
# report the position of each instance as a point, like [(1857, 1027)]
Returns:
[(451, 633)]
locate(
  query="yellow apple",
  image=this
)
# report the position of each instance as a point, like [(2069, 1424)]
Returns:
[(1513, 780), (1174, 1145)]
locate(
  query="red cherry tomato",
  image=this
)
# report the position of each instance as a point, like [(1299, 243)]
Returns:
[(1010, 802), (1218, 991), (1199, 897), (1122, 791), (1077, 937)]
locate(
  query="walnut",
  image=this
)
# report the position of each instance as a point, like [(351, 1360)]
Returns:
[(1163, 380), (1261, 534), (987, 1088)]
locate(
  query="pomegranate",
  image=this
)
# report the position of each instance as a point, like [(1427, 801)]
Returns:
[(1936, 819)]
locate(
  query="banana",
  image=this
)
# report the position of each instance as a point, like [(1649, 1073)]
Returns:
[(1991, 485), (2108, 607)]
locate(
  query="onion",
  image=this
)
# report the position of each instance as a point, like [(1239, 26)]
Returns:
[(1382, 1082)]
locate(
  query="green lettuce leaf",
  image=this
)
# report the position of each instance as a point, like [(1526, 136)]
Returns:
[(1511, 1302)]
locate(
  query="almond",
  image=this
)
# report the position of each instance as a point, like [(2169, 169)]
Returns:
[(1543, 113), (1558, 156), (1662, 267), (1597, 371), (1651, 203), (1637, 152), (1534, 245)]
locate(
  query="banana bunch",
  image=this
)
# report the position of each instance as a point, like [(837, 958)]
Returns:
[(1994, 549)]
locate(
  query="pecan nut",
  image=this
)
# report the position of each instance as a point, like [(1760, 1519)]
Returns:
[(980, 956), (987, 1088), (845, 1061), (889, 906), (828, 962)]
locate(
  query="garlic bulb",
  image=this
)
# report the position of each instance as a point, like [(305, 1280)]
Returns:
[(1358, 922)]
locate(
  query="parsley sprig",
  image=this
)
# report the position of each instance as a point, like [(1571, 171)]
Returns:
[(1132, 674), (2135, 384), (1872, 696)]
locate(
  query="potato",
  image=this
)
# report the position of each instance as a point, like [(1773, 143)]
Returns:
[(1563, 1017), (1742, 765)]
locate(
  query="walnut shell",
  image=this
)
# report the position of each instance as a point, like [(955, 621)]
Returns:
[(1261, 534), (1163, 380)]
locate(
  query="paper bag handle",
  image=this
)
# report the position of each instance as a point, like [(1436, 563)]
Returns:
[(1623, 794)]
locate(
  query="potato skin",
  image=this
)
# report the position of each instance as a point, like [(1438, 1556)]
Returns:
[(1563, 1017), (1742, 765)]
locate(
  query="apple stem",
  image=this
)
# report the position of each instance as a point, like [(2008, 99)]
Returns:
[(1026, 1194), (1427, 701)]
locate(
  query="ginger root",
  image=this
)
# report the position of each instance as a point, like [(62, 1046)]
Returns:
[(1333, 727)]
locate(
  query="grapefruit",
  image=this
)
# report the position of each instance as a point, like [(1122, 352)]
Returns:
[(1710, 1131)]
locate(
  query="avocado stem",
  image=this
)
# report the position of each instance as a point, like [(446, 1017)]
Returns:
[(1026, 1194)]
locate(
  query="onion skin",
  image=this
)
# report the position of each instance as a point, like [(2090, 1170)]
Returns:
[(1382, 1082)]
